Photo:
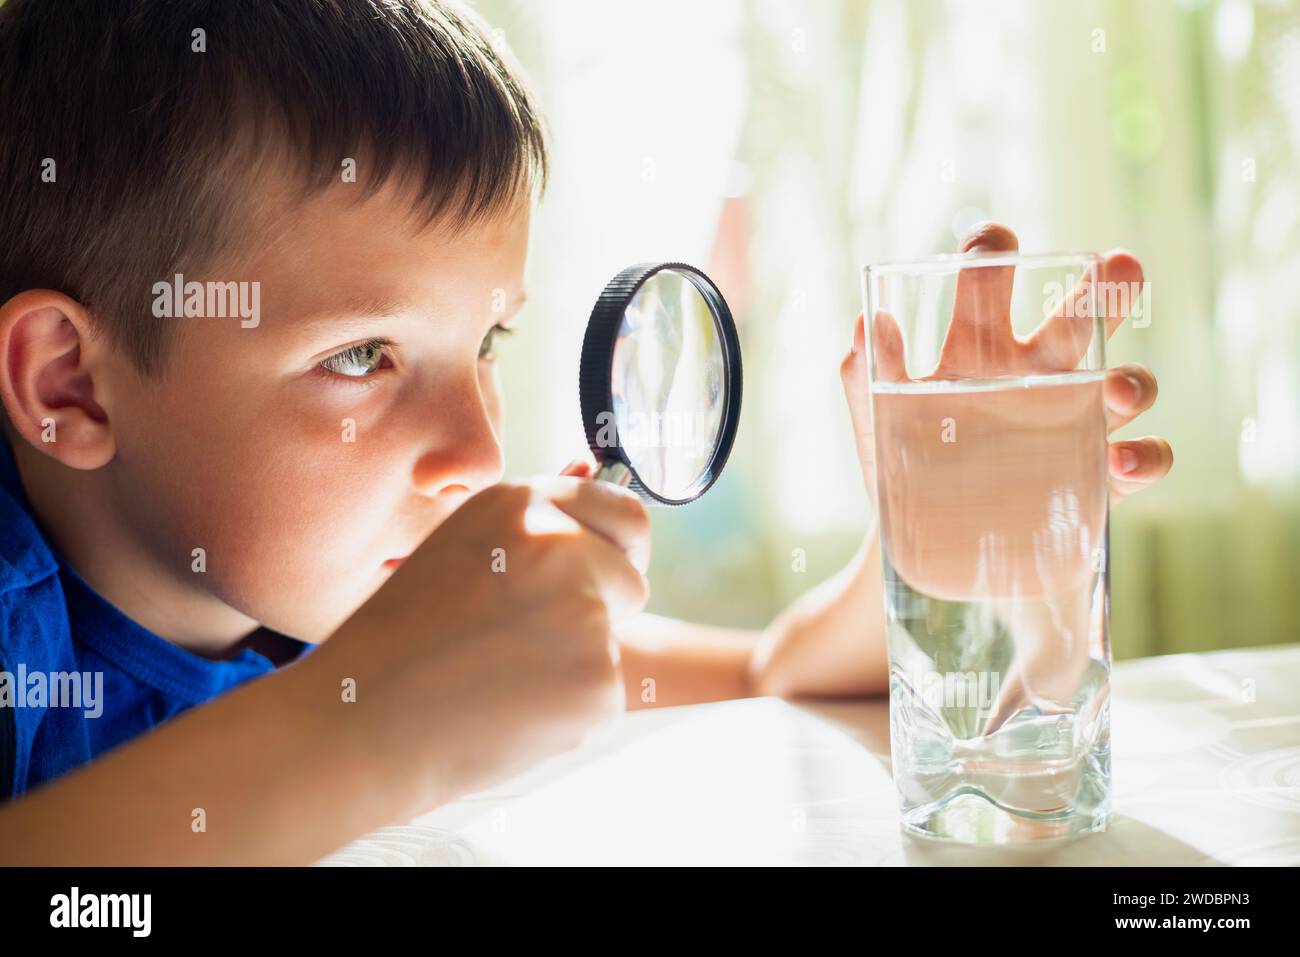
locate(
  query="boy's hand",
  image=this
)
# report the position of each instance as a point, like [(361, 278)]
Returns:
[(490, 648), (1129, 389)]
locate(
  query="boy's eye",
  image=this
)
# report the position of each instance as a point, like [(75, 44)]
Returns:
[(358, 361), (486, 351)]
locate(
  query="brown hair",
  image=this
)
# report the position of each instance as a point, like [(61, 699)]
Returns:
[(141, 109)]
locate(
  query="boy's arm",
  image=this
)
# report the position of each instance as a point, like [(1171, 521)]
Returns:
[(280, 776), (669, 662), (830, 641)]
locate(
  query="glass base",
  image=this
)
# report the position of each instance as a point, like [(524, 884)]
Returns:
[(971, 818)]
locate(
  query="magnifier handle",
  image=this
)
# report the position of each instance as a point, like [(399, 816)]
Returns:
[(613, 471)]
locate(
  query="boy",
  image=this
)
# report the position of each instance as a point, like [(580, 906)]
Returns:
[(253, 253)]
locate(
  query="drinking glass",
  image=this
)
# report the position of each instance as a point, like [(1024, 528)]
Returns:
[(986, 377)]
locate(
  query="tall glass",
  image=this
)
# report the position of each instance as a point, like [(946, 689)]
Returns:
[(986, 377)]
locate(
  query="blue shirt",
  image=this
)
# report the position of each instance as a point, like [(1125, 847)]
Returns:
[(77, 676)]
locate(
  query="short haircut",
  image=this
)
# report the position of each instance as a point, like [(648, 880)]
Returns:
[(151, 142)]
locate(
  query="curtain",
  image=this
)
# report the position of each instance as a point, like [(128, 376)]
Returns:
[(782, 145)]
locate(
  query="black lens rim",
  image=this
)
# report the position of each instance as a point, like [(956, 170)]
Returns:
[(597, 363)]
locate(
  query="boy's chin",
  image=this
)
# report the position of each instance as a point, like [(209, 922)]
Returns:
[(318, 626), (313, 621)]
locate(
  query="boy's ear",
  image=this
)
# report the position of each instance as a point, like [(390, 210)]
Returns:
[(45, 385)]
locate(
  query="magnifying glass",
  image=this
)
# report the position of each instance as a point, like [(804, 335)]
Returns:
[(659, 382)]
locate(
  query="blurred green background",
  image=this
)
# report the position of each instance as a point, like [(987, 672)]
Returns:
[(782, 145)]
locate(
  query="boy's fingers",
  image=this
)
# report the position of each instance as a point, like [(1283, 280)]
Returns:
[(608, 510), (981, 311), (584, 524), (1122, 283), (622, 585), (579, 468), (1138, 462), (1129, 390), (888, 348), (1064, 336)]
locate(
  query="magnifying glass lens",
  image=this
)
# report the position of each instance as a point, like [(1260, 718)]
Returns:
[(666, 384)]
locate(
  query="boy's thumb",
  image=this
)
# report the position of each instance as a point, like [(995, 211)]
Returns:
[(857, 390)]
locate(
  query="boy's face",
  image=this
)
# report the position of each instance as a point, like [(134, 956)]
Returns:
[(303, 482)]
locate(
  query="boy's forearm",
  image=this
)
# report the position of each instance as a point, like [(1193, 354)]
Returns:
[(831, 641), (270, 773), (670, 662)]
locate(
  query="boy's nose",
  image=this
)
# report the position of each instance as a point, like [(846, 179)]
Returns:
[(466, 452)]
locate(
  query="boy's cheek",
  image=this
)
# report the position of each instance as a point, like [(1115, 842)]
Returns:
[(304, 586), (294, 532), (296, 504)]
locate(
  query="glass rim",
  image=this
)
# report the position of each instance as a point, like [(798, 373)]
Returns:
[(955, 262)]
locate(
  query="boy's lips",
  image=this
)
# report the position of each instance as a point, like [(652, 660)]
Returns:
[(393, 564)]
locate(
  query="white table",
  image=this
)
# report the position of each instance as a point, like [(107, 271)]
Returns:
[(1206, 764)]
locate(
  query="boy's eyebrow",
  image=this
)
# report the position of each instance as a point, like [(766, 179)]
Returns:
[(365, 308)]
